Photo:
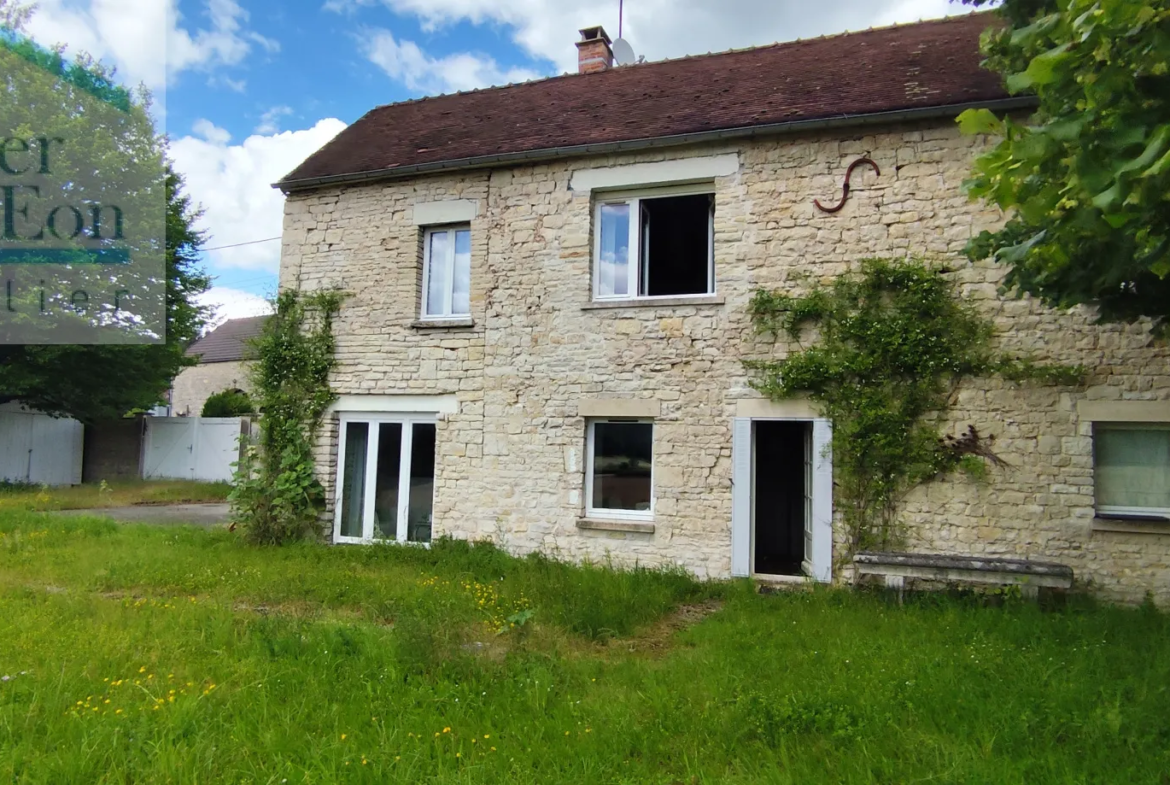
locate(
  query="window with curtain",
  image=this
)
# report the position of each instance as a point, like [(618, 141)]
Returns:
[(447, 273), (1131, 465)]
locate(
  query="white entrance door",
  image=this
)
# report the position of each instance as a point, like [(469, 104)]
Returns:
[(818, 499), (385, 478)]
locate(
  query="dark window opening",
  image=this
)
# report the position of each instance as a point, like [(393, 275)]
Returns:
[(623, 457), (676, 245)]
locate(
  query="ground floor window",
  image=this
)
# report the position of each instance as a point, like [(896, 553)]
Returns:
[(1132, 469), (385, 478), (619, 475)]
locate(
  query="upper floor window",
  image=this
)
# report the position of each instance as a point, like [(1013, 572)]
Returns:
[(447, 273), (657, 243), (1131, 465)]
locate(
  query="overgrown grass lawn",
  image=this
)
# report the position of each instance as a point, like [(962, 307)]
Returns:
[(121, 493), (138, 654)]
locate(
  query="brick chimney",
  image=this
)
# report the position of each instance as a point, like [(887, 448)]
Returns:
[(593, 52)]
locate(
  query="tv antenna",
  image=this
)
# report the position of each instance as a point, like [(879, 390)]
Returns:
[(623, 53)]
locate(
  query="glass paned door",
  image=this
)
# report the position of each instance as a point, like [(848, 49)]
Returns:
[(386, 479), (353, 486), (422, 482)]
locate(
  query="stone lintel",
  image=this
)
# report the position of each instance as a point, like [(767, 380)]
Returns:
[(619, 407), (1124, 411), (446, 211), (765, 409)]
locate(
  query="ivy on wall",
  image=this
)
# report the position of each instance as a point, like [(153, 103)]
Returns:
[(891, 345), (277, 497)]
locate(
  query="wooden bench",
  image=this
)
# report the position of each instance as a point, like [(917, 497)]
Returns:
[(1030, 576)]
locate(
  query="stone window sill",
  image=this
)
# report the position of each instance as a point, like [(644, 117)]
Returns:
[(655, 302), (634, 527), (442, 324), (1132, 525)]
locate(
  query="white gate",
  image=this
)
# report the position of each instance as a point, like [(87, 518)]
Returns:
[(192, 448), (39, 449)]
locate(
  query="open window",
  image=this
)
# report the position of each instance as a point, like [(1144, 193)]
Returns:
[(385, 478), (619, 473), (1131, 467), (655, 244)]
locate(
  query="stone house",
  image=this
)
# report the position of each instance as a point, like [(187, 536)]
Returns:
[(547, 312), (223, 365)]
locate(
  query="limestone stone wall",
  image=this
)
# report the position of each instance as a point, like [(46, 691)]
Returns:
[(510, 463), (194, 385)]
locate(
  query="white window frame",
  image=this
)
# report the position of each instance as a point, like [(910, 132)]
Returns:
[(637, 260), (449, 263), (1114, 511), (373, 421), (603, 513)]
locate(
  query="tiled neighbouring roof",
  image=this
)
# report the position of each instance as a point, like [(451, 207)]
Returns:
[(229, 341), (923, 65)]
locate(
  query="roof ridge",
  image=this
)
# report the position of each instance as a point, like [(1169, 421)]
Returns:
[(935, 65), (951, 18)]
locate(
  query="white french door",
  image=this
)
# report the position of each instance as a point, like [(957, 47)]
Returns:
[(385, 478)]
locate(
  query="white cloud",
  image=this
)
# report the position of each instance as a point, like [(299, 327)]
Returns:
[(232, 304), (148, 40), (405, 62), (232, 183), (658, 29), (270, 120)]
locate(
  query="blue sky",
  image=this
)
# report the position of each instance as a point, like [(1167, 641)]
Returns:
[(249, 88)]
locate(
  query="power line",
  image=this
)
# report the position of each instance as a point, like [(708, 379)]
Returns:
[(236, 245)]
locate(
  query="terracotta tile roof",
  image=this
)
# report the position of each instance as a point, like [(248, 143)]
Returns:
[(923, 65), (229, 341)]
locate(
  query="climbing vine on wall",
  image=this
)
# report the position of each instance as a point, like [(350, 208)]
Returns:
[(891, 343), (277, 497)]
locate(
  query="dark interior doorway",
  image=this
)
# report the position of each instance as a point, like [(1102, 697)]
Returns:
[(779, 496)]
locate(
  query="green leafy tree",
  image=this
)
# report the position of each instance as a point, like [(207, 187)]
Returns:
[(1086, 179), (94, 382), (228, 403)]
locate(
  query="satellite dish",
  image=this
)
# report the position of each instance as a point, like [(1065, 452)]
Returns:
[(623, 53)]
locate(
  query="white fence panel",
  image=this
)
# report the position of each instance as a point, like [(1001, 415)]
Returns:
[(192, 448), (40, 449)]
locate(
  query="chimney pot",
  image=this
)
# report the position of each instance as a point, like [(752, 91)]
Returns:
[(593, 52)]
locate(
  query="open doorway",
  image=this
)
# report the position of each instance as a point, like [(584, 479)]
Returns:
[(781, 496)]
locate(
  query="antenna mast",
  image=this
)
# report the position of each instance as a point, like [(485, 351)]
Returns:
[(621, 13)]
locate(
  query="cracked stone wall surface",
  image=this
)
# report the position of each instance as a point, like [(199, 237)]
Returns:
[(509, 464)]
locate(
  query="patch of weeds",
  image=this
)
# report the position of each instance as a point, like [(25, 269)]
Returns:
[(769, 718)]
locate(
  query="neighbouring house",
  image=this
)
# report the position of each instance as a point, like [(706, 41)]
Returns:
[(548, 311), (223, 365)]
